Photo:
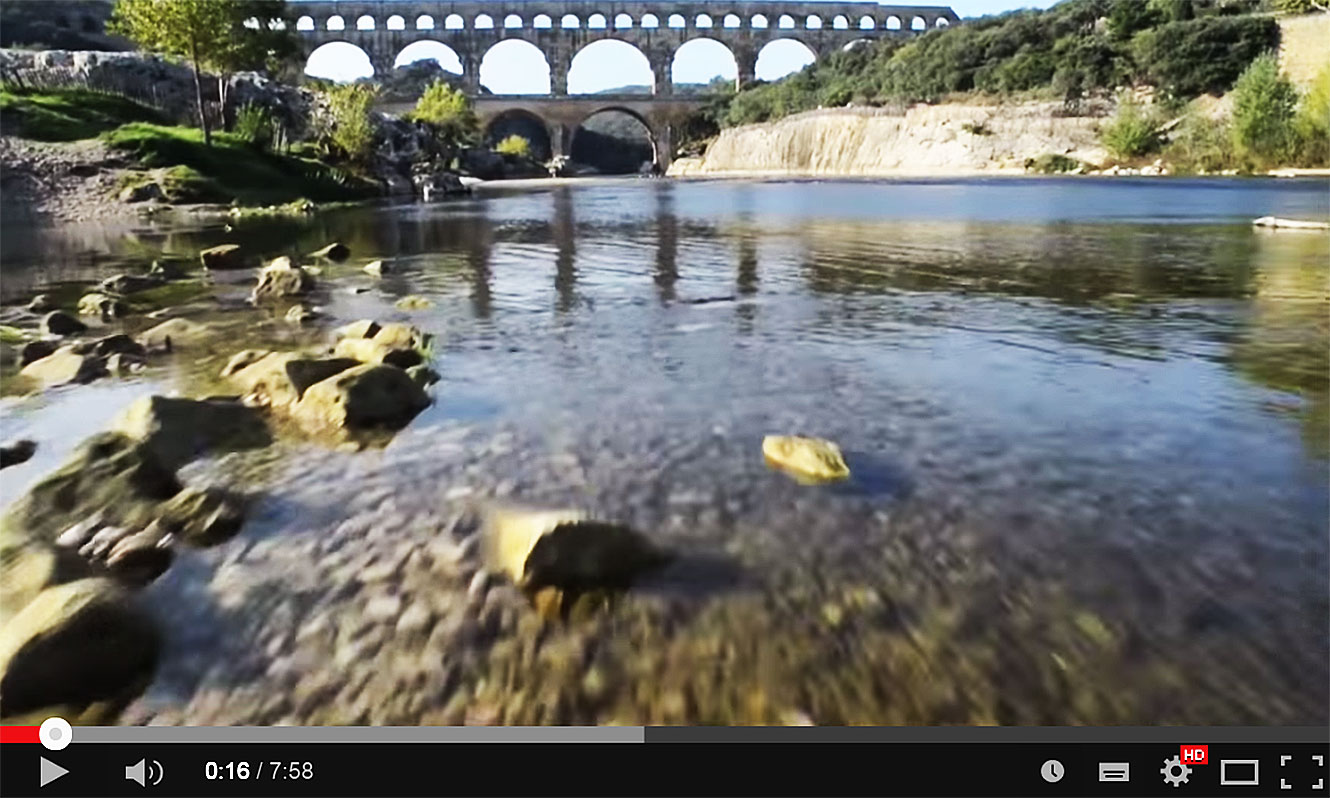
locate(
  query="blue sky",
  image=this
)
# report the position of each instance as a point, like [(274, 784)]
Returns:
[(518, 68)]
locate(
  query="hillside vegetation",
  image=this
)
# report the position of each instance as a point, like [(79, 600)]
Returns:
[(1184, 47)]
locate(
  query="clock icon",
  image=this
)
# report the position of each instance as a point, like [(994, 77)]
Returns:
[(1052, 771)]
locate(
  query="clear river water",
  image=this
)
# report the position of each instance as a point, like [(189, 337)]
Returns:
[(1088, 423)]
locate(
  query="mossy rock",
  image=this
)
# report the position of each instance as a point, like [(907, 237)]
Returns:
[(808, 460)]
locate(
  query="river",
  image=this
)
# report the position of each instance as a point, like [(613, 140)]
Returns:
[(1087, 422)]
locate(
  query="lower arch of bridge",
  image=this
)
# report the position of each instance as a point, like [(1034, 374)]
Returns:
[(690, 63), (614, 140), (609, 64), (515, 66), (430, 50), (339, 61), (518, 122)]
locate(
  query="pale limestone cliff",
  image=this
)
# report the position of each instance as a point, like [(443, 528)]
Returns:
[(1304, 46), (923, 141)]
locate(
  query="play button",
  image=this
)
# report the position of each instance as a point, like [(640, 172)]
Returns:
[(50, 772)]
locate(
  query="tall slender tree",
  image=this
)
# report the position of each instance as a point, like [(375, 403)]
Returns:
[(209, 34)]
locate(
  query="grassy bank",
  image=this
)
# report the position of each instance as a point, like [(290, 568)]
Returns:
[(67, 114), (183, 167)]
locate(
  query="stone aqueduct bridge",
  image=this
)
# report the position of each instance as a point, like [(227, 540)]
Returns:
[(383, 28)]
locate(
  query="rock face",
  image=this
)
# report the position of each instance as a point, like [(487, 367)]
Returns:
[(564, 549), (280, 379), (807, 459), (280, 279), (366, 396), (59, 323), (223, 258), (922, 141), (176, 430), (74, 644), (64, 365)]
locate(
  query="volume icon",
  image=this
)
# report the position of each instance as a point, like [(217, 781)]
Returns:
[(144, 772)]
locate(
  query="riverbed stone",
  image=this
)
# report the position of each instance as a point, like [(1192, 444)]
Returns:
[(364, 328), (372, 350), (109, 473), (423, 375), (42, 303), (243, 358), (123, 284), (19, 451), (280, 279), (301, 314), (204, 516), (140, 557), (59, 323), (809, 460), (118, 344), (75, 643), (99, 304), (65, 365), (173, 333), (280, 379), (565, 549), (335, 251), (178, 429), (36, 350), (225, 257), (414, 302), (365, 396), (378, 268)]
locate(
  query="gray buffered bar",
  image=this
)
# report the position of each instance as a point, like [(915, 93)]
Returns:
[(990, 734), (359, 734)]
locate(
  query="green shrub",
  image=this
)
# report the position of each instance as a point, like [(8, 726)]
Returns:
[(1201, 145), (1052, 164), (1264, 107), (1312, 125), (255, 125), (347, 129), (1131, 133), (448, 111), (515, 146), (1203, 55)]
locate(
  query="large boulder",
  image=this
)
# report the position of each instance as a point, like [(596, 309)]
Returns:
[(371, 350), (226, 257), (28, 566), (59, 323), (36, 350), (564, 549), (20, 451), (366, 396), (173, 333), (280, 279), (178, 429), (65, 365), (75, 643), (280, 379), (335, 251), (808, 460), (203, 516), (109, 474), (99, 304)]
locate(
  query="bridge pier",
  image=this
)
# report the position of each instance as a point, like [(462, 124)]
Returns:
[(745, 58)]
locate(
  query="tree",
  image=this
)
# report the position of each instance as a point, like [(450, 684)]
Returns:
[(1264, 106), (210, 34), (347, 126), (448, 111), (265, 38)]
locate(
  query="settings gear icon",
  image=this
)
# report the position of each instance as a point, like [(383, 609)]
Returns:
[(1174, 772)]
